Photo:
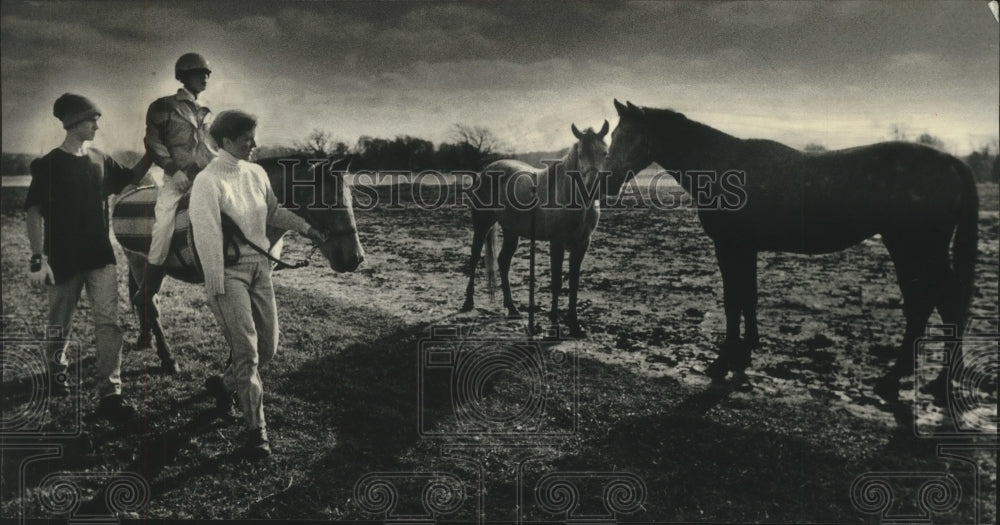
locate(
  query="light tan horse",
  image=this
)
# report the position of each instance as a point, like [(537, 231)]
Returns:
[(557, 203)]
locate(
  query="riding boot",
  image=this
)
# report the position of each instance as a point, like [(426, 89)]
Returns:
[(152, 277)]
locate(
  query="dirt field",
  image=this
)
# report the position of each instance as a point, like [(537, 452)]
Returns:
[(353, 397)]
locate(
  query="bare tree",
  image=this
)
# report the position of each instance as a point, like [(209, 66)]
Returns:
[(813, 147), (479, 138), (985, 163), (321, 143), (930, 140)]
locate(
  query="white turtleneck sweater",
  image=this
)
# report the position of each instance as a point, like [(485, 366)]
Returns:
[(242, 191)]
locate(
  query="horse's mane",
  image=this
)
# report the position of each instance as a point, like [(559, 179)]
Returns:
[(662, 118)]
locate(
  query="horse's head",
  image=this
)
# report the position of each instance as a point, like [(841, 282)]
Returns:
[(631, 148), (332, 214), (588, 154)]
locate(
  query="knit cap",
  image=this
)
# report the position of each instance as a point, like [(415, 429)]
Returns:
[(72, 109)]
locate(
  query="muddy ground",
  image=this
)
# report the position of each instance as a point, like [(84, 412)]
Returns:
[(356, 403)]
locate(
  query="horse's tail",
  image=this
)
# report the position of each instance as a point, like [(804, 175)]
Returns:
[(491, 261), (965, 246)]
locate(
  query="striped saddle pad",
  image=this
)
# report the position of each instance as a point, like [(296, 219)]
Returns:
[(133, 226)]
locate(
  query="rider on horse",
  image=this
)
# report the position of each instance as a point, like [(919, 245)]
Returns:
[(177, 140)]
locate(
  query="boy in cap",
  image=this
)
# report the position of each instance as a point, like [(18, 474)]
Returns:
[(178, 141), (67, 225)]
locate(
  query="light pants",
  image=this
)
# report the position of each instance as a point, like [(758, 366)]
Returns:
[(102, 289), (249, 320), (167, 197)]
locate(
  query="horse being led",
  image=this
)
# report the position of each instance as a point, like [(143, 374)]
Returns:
[(298, 183), (561, 201), (917, 198)]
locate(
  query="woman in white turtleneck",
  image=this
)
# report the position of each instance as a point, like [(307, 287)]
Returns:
[(240, 295)]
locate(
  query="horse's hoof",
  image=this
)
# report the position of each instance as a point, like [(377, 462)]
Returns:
[(739, 364), (938, 389), (735, 355), (170, 367), (717, 370), (467, 306), (741, 381), (888, 389), (577, 333), (513, 314)]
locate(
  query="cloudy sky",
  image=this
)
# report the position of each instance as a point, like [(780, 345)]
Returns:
[(836, 73)]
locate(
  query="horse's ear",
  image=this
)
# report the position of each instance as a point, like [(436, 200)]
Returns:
[(604, 130), (576, 132), (620, 108), (633, 109)]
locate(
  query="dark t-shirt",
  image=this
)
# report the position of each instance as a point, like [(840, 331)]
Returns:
[(72, 193)]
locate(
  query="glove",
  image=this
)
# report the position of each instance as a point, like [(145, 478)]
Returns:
[(316, 236), (180, 179), (43, 275)]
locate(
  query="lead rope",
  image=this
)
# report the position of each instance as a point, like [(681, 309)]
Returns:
[(531, 265), (278, 263)]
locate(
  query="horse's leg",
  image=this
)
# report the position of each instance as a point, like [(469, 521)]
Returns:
[(952, 309), (576, 254), (910, 257), (503, 261), (736, 263), (167, 362), (480, 225), (154, 328), (135, 268), (750, 335), (144, 339), (556, 252)]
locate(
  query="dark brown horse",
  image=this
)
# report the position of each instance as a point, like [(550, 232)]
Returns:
[(916, 197), (552, 204), (316, 191)]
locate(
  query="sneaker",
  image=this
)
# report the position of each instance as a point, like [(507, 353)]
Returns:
[(225, 401), (256, 446), (114, 409)]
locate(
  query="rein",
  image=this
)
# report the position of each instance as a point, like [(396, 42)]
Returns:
[(278, 263)]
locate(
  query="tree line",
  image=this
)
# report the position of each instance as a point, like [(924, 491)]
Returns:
[(470, 148)]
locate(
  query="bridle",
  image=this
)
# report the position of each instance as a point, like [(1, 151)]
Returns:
[(282, 265), (330, 234)]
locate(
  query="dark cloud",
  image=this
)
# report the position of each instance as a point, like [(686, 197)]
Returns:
[(381, 68)]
